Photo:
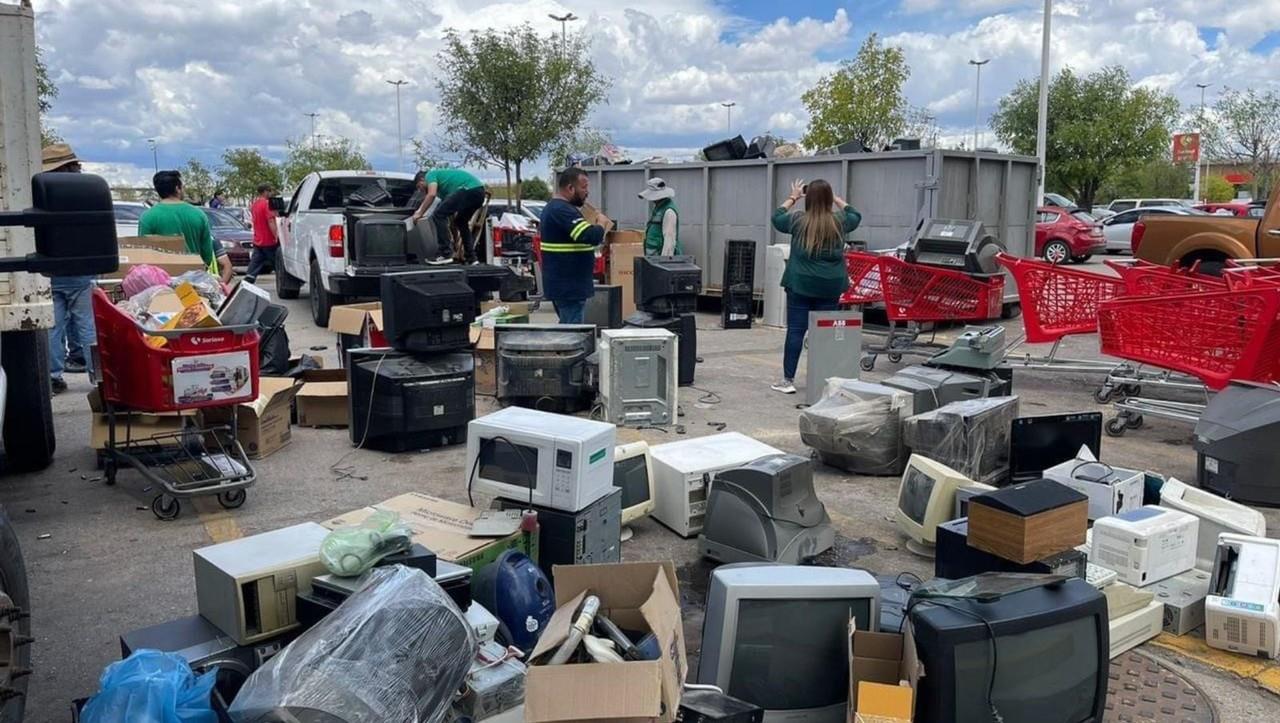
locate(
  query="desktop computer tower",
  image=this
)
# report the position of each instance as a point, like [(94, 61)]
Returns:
[(685, 327), (737, 292), (589, 536)]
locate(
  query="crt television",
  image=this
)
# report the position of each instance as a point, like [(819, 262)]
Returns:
[(1039, 655), (667, 285), (776, 636), (633, 474), (926, 499), (1038, 443), (374, 239), (551, 460), (427, 311), (400, 402), (544, 366)]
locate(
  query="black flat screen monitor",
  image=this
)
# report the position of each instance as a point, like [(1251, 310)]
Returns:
[(1038, 443)]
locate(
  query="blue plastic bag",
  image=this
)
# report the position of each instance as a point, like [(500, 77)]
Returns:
[(151, 687)]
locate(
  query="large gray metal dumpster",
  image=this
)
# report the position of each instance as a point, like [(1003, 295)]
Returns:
[(893, 191)]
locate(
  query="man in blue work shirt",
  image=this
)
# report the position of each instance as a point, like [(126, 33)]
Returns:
[(569, 246)]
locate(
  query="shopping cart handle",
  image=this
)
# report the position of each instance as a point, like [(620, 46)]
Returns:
[(179, 333)]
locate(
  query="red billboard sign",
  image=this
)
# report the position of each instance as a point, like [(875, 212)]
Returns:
[(1186, 148)]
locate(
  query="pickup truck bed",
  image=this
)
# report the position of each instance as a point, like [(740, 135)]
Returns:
[(1209, 240)]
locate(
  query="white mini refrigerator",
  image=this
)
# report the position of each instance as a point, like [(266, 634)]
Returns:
[(683, 470)]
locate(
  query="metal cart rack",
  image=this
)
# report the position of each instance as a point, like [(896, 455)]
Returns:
[(156, 371)]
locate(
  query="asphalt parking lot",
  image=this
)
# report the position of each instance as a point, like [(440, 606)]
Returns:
[(101, 564)]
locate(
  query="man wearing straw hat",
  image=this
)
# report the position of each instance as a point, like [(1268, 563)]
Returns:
[(72, 333), (662, 233)]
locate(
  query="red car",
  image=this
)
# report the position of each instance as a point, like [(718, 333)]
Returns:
[(1065, 234)]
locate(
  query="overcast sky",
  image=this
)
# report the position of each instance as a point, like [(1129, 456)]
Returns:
[(202, 76)]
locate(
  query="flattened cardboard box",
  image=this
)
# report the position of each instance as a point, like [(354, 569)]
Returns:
[(443, 527), (323, 404), (263, 425), (486, 361), (635, 595), (168, 252), (624, 247)]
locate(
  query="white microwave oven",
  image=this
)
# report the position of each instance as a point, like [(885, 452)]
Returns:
[(550, 460)]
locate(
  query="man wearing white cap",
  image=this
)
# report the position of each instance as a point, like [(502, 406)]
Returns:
[(662, 234)]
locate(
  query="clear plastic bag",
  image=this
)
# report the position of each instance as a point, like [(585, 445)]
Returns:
[(970, 436), (152, 687), (396, 650), (857, 426), (350, 551), (208, 286)]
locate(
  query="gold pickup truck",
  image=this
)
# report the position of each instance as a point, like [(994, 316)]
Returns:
[(1210, 240)]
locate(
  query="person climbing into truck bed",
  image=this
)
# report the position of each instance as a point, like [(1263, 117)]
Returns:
[(461, 195)]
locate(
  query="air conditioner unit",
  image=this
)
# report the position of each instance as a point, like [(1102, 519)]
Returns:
[(1241, 613)]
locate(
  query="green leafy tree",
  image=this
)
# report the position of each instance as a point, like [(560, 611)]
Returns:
[(46, 92), (586, 141), (198, 182), (1217, 189), (426, 155), (535, 189), (1098, 126), (508, 97), (863, 100), (1153, 179), (325, 154), (1244, 129), (243, 169)]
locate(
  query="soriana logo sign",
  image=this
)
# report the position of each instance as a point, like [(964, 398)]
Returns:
[(1186, 148)]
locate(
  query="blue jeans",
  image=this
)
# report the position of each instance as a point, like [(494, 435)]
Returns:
[(72, 320), (798, 308), (571, 312)]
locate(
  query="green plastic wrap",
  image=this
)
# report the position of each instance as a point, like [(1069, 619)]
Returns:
[(353, 550)]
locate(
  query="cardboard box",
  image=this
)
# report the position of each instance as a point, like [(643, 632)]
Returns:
[(1111, 490), (192, 313), (1028, 521), (636, 595), (884, 703), (624, 247), (873, 657), (165, 244), (444, 527), (486, 361), (263, 425), (168, 252), (358, 326), (323, 404), (135, 426)]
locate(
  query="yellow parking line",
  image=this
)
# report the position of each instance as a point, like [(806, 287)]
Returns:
[(219, 524), (1265, 672)]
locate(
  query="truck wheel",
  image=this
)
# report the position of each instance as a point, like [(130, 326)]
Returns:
[(287, 287), (322, 302), (15, 613), (28, 420)]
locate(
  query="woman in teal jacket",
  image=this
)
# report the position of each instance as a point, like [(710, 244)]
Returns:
[(815, 276)]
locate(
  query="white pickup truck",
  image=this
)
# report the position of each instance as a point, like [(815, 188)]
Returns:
[(342, 230)]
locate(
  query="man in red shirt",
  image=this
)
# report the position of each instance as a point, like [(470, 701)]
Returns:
[(265, 241)]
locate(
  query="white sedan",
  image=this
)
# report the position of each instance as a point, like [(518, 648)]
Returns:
[(1119, 228), (127, 215)]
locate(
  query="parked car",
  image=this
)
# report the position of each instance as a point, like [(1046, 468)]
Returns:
[(337, 236), (1244, 209), (1209, 240), (499, 206), (231, 234), (1118, 229), (1124, 204), (1059, 200), (1066, 234), (127, 215)]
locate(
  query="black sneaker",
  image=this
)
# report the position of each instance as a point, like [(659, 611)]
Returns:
[(57, 385), (74, 366), (251, 279)]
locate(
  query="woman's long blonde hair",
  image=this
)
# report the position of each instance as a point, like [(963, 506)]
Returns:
[(820, 231)]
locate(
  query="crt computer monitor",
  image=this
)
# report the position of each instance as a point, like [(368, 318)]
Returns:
[(633, 474), (375, 240), (777, 636), (926, 499), (1038, 443), (666, 285), (1051, 656), (427, 311)]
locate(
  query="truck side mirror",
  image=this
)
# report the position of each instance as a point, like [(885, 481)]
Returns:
[(276, 203), (75, 227)]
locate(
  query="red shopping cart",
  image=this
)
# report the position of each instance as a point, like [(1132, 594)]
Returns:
[(154, 371), (864, 278), (1143, 278)]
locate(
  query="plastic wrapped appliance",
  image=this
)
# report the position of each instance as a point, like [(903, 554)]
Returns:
[(397, 650), (544, 366), (932, 387), (857, 427), (971, 437), (955, 244), (1235, 443)]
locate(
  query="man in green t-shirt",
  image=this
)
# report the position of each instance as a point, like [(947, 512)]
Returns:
[(173, 216), (461, 195)]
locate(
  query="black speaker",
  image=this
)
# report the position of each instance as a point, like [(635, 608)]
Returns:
[(737, 296), (604, 308), (685, 327), (730, 149)]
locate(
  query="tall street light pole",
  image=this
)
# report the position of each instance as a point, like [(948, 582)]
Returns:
[(728, 118), (155, 157), (1200, 130), (312, 116), (1042, 112), (399, 136), (563, 20), (977, 100)]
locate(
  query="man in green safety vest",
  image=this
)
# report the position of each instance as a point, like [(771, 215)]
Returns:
[(662, 234)]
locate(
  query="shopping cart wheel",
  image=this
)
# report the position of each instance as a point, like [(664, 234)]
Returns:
[(1134, 422), (895, 358), (165, 507), (231, 499), (867, 362), (109, 469), (1131, 390), (1116, 427), (1103, 394)]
